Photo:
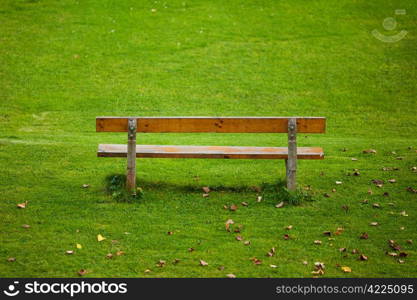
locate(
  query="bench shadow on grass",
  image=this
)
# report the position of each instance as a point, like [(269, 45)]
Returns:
[(115, 187)]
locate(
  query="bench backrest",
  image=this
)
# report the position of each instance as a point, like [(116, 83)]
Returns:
[(212, 124)]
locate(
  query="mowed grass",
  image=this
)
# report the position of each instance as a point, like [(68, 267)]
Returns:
[(62, 63)]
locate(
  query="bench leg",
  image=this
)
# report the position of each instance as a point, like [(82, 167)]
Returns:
[(131, 156), (291, 162)]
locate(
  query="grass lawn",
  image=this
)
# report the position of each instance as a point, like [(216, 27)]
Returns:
[(62, 63)]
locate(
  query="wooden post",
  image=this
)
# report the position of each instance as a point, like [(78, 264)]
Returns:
[(131, 156), (291, 162)]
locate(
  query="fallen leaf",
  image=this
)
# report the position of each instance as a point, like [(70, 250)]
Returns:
[(393, 254), (231, 276), (69, 252), (379, 183), (259, 199), (273, 266), (346, 269), (289, 227), (369, 151), (401, 261), (326, 195), (170, 233), (403, 254), (82, 272), (342, 249), (370, 192), (245, 203), (256, 261), (11, 259), (305, 262), (279, 205), (286, 236), (176, 261), (26, 226), (374, 224), (206, 189), (246, 243), (161, 263), (109, 255), (392, 180), (22, 205), (364, 236), (228, 223), (190, 249), (221, 268), (147, 271), (328, 233), (355, 251), (354, 159), (100, 238), (317, 242), (79, 246), (203, 263), (233, 207), (376, 205), (86, 186), (409, 242), (403, 213), (205, 195), (239, 238), (411, 190), (339, 182), (120, 253), (363, 257)]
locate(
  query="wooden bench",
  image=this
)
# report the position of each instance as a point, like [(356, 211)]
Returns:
[(290, 125)]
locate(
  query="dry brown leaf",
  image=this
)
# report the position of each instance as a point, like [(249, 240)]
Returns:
[(228, 223), (109, 255), (22, 205), (205, 195), (231, 276), (369, 151), (279, 205), (363, 257), (286, 236), (120, 253), (26, 226), (206, 189), (161, 263), (203, 263), (82, 272), (239, 238), (233, 207), (245, 203), (364, 236), (170, 232), (190, 249), (11, 259)]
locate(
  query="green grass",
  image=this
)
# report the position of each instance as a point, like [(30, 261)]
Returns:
[(62, 63)]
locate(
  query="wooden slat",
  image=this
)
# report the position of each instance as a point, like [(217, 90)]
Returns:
[(165, 151), (212, 124)]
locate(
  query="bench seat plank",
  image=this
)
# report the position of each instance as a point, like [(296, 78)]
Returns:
[(166, 151)]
